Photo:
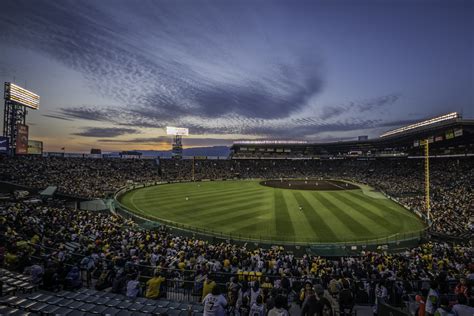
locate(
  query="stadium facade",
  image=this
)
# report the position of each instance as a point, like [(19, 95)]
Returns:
[(448, 135)]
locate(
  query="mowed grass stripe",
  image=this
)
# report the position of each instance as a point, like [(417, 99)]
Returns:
[(382, 204), (199, 205), (165, 197), (239, 211), (242, 226), (231, 222), (390, 210), (302, 227), (319, 227), (224, 211), (218, 207), (336, 225), (173, 191), (256, 230), (283, 224), (198, 219), (358, 230), (209, 200), (376, 221), (160, 197)]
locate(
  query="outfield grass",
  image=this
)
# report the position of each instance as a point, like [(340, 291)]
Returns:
[(248, 209)]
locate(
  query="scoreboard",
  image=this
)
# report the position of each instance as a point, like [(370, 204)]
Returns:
[(21, 96)]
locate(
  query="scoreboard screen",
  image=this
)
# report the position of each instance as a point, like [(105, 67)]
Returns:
[(180, 131)]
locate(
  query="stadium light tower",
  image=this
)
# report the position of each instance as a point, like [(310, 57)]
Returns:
[(15, 130), (178, 133)]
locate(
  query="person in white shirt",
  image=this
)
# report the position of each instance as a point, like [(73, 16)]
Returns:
[(255, 292), (279, 309), (381, 295), (133, 286), (258, 309), (433, 299), (214, 303)]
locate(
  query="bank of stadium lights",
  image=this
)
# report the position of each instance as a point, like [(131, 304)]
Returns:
[(177, 131), (450, 116), (269, 142), (177, 146), (21, 96)]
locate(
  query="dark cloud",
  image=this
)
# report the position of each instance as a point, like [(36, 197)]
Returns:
[(297, 127), (398, 123), (58, 117), (329, 112), (307, 131), (87, 37), (105, 132), (92, 113)]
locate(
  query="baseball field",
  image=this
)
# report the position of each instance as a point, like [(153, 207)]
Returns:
[(274, 210)]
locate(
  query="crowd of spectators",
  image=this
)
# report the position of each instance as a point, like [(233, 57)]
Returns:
[(35, 236), (81, 177)]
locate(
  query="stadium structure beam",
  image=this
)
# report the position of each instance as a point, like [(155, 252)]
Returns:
[(14, 114), (426, 143)]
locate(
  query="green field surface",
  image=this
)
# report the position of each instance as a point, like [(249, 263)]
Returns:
[(245, 209)]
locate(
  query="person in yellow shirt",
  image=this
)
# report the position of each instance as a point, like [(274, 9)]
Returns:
[(207, 287), (226, 264), (153, 286), (267, 284)]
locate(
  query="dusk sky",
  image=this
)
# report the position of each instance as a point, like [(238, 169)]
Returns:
[(113, 74)]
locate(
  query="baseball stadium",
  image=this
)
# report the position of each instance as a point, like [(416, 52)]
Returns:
[(237, 158)]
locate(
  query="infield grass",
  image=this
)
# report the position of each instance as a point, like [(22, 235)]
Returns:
[(246, 209)]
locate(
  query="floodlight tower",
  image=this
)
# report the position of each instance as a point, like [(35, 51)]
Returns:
[(177, 146), (15, 130)]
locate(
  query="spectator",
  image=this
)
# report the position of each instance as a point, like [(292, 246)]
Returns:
[(461, 308), (214, 303), (311, 305), (280, 307), (443, 309), (421, 300), (346, 300), (462, 287), (258, 308), (381, 295), (433, 299), (325, 307), (73, 279), (208, 285), (244, 307), (133, 286), (153, 285)]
